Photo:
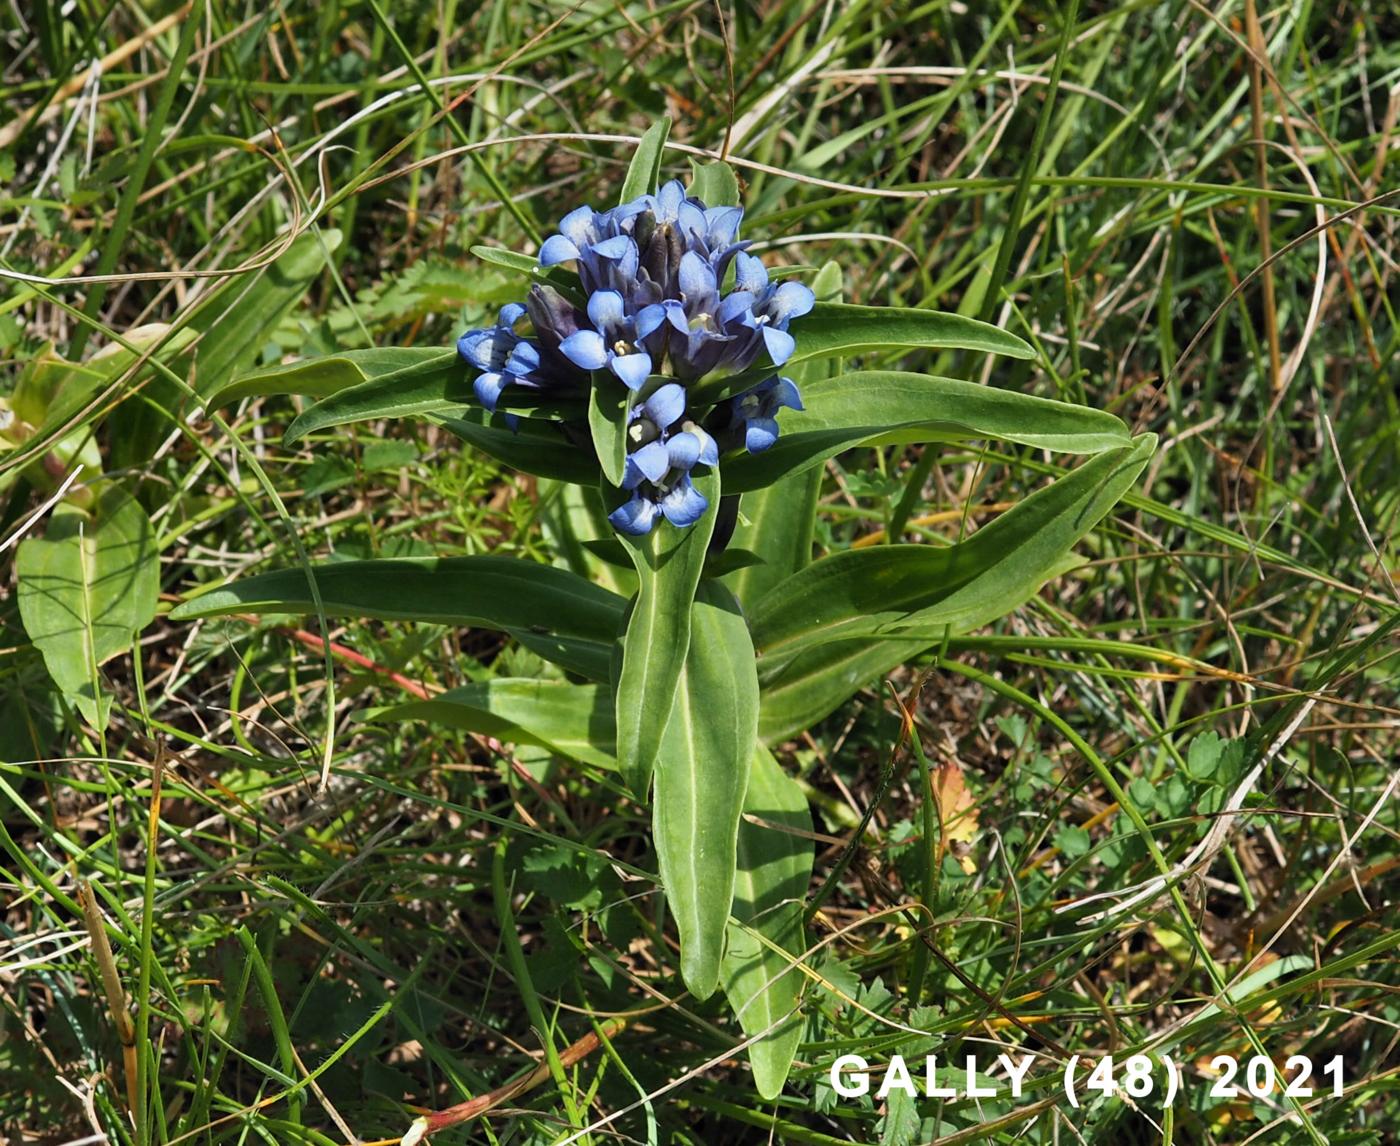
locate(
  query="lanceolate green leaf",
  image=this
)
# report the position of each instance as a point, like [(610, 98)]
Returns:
[(559, 615), (668, 562), (240, 317), (880, 407), (574, 720), (765, 936), (839, 328), (322, 377), (535, 446), (86, 588), (609, 405), (799, 692), (430, 386), (832, 627), (702, 773), (891, 589), (644, 172)]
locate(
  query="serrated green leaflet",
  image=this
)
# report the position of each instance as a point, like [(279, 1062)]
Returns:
[(879, 407), (668, 561), (559, 615), (766, 935), (702, 774)]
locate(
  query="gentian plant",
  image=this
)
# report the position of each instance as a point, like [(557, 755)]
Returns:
[(691, 398)]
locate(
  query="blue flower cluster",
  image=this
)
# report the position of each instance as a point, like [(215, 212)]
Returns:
[(670, 296)]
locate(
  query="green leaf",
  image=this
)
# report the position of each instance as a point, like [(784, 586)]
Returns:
[(322, 377), (535, 446), (905, 590), (882, 407), (668, 562), (840, 328), (812, 685), (765, 934), (239, 318), (566, 280), (702, 774), (557, 614), (713, 184), (86, 588), (850, 617), (429, 386), (609, 404), (644, 172), (573, 720), (511, 260)]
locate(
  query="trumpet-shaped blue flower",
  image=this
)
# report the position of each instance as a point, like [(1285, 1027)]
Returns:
[(664, 446), (504, 357), (611, 341), (755, 412), (774, 306)]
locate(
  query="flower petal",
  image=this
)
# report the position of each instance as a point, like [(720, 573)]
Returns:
[(709, 449), (780, 344), (759, 434), (605, 310), (685, 504), (613, 248), (510, 314), (669, 200), (649, 319), (488, 388), (524, 359), (558, 249), (749, 272), (632, 369), (791, 300), (722, 225), (683, 450), (697, 278), (691, 221), (578, 226), (469, 347), (666, 405), (636, 516), (675, 315), (585, 349), (736, 304), (650, 462), (787, 395)]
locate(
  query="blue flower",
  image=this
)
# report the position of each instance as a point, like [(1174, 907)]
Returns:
[(653, 275), (611, 341), (493, 352), (774, 306), (664, 447), (754, 413), (504, 357)]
